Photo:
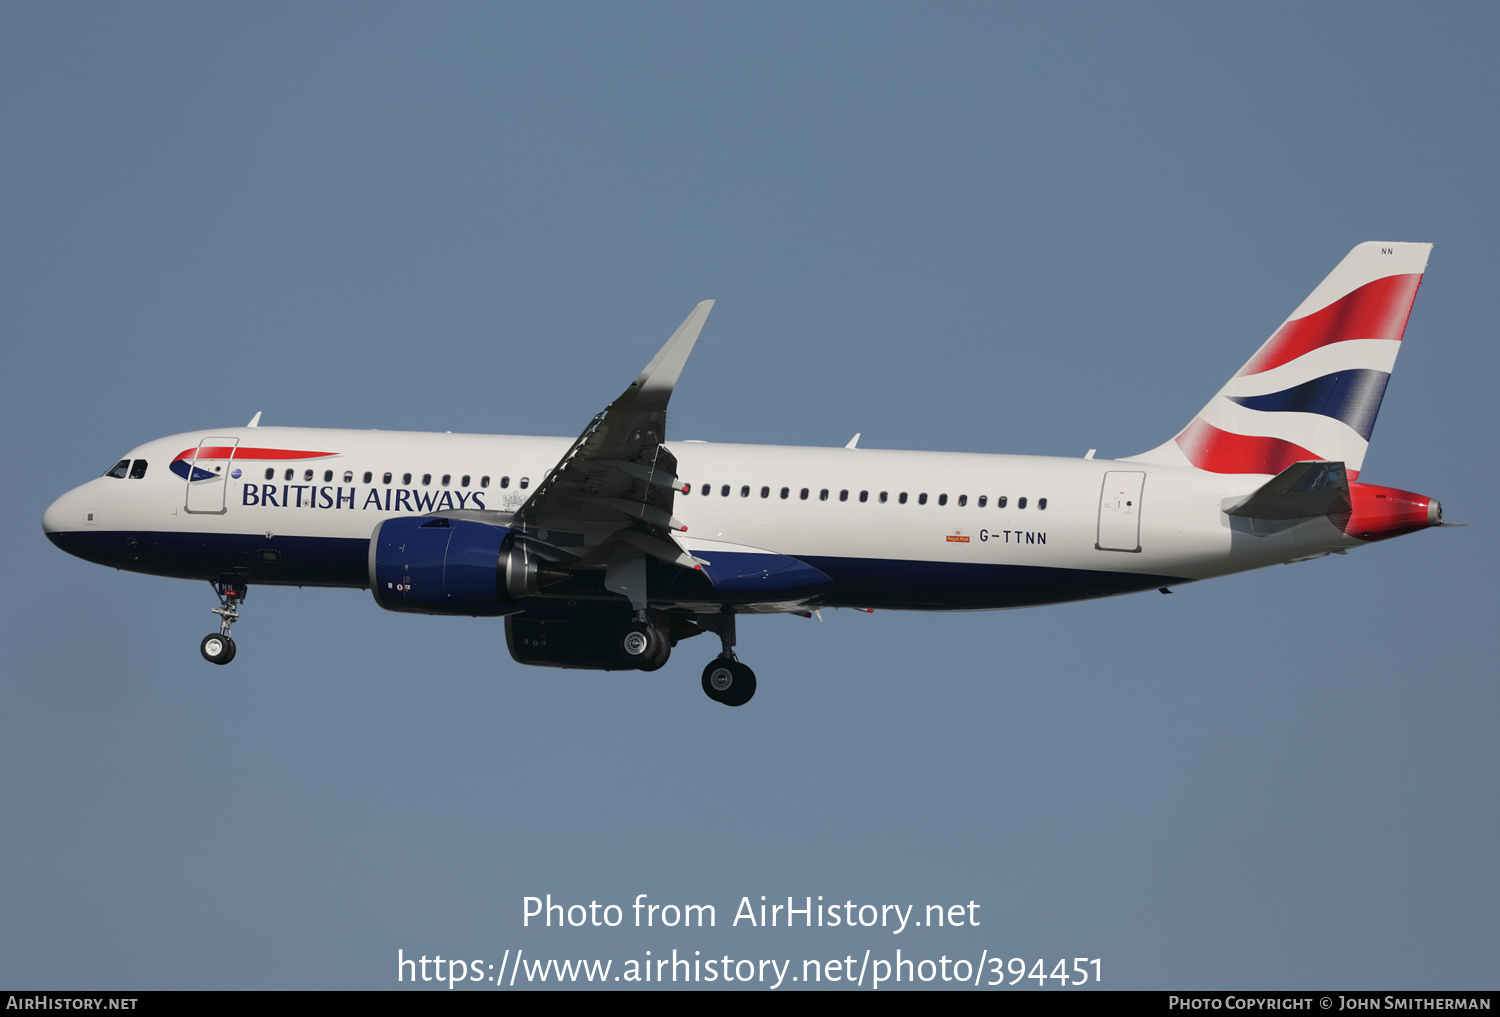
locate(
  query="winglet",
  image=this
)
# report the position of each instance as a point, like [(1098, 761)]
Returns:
[(255, 420), (656, 382), (854, 441)]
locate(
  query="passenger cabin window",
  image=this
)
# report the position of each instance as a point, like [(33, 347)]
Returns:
[(270, 473), (1041, 503), (882, 497), (426, 479), (942, 499), (484, 481), (982, 499), (922, 498), (902, 499), (327, 476), (288, 476), (406, 480), (703, 489), (118, 470), (1020, 503), (349, 477), (843, 496), (785, 493), (463, 481), (385, 478), (525, 483), (765, 492), (963, 500), (369, 476), (745, 491), (1000, 501), (823, 494), (138, 469), (447, 478), (504, 482), (724, 491), (307, 474), (864, 496)]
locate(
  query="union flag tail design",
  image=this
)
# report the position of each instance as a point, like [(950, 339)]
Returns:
[(1312, 391)]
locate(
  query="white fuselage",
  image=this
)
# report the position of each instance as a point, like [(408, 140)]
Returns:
[(894, 528)]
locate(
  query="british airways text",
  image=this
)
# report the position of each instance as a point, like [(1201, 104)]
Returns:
[(390, 499)]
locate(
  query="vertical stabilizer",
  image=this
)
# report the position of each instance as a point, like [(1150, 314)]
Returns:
[(1312, 391)]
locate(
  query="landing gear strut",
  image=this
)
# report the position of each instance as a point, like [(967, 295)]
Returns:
[(725, 679), (217, 647)]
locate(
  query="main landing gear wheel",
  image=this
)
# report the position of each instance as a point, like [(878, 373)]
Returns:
[(659, 658), (728, 681), (646, 647), (217, 648)]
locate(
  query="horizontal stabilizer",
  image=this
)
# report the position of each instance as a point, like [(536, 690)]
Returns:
[(1301, 491)]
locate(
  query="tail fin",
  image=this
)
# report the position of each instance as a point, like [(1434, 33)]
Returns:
[(1313, 389)]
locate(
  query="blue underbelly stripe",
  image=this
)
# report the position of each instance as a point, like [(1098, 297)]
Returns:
[(856, 582)]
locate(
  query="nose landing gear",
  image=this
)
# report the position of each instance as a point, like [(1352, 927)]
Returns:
[(218, 647)]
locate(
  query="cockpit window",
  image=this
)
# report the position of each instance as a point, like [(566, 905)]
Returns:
[(119, 469), (138, 470)]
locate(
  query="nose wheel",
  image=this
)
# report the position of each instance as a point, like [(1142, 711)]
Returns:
[(218, 647)]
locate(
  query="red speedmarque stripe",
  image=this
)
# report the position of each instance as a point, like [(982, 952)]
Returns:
[(222, 452), (1377, 310), (1216, 451)]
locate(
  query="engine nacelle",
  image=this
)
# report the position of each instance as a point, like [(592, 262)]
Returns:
[(435, 565)]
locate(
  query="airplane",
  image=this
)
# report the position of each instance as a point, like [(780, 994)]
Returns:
[(604, 552)]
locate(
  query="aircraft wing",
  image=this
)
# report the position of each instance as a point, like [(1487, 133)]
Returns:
[(608, 501)]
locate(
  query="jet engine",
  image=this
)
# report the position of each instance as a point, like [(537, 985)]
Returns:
[(436, 565)]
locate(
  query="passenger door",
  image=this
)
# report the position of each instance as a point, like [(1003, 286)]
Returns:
[(1120, 511), (208, 475)]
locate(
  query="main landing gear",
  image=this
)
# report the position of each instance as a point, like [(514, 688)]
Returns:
[(725, 679), (646, 646), (217, 647), (728, 681)]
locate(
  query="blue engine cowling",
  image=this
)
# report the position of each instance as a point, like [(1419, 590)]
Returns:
[(434, 565)]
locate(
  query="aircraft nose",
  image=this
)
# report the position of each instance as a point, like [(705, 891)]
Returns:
[(52, 519), (64, 516)]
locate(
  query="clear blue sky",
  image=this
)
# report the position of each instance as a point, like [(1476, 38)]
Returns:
[(986, 227)]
